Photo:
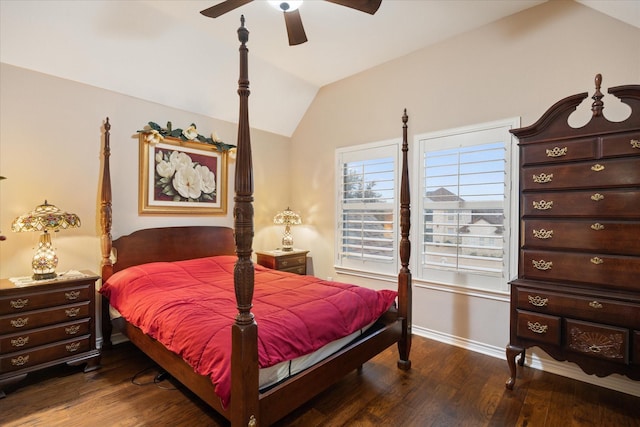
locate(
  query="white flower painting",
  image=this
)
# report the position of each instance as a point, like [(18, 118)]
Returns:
[(181, 179)]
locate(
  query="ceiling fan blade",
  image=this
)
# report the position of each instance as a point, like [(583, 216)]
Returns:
[(295, 29), (224, 7), (368, 6)]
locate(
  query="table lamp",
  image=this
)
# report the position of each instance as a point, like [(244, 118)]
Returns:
[(45, 218), (288, 218)]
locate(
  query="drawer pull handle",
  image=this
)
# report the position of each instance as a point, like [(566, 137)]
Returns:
[(538, 301), (285, 262), (543, 178), (20, 322), (597, 167), (635, 143), (19, 303), (597, 226), (542, 264), (595, 304), (597, 197), (73, 347), (543, 234), (20, 341), (72, 295), (537, 327), (72, 312), (20, 360), (542, 205), (557, 152), (72, 330), (596, 260)]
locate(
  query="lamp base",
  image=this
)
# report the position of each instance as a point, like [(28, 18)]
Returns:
[(44, 276)]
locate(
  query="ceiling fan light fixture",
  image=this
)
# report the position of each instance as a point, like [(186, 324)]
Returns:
[(286, 6)]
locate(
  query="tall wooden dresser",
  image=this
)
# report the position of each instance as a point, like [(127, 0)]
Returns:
[(577, 294)]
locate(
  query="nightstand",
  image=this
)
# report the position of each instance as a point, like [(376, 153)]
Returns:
[(46, 323), (294, 261)]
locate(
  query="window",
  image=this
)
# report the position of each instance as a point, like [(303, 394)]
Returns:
[(367, 229), (464, 206), (461, 207)]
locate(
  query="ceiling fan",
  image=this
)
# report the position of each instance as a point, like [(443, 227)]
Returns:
[(295, 29)]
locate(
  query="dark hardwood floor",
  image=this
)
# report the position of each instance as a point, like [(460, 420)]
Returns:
[(447, 386)]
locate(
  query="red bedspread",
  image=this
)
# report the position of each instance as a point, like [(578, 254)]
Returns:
[(189, 306)]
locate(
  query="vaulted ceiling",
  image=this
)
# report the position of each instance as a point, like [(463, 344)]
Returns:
[(167, 52)]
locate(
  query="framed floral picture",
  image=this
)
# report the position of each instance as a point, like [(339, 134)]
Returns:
[(182, 177)]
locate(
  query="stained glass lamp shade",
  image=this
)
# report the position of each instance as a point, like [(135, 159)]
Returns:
[(45, 218), (288, 218)]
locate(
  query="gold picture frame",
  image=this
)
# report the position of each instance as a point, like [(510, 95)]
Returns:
[(182, 178)]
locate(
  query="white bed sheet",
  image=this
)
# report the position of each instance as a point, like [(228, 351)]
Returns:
[(283, 370)]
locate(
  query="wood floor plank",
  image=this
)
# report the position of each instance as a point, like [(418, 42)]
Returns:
[(447, 386)]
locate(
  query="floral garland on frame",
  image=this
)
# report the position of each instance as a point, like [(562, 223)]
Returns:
[(176, 174), (154, 133)]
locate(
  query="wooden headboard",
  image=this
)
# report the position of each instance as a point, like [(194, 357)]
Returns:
[(171, 244)]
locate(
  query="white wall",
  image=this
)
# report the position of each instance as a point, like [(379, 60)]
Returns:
[(518, 66)]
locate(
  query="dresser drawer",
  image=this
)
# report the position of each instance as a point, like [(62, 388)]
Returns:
[(34, 299), (603, 204), (608, 271), (38, 318), (56, 352), (635, 357), (606, 342), (539, 327), (562, 151), (40, 336), (621, 313), (626, 144), (604, 236), (601, 173)]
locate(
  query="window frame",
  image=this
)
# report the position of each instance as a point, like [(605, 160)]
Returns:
[(362, 152), (456, 279)]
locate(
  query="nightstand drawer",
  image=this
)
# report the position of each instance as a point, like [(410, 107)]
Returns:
[(635, 358), (301, 269), (284, 263), (539, 327), (596, 340), (33, 299), (44, 354), (36, 337), (38, 318)]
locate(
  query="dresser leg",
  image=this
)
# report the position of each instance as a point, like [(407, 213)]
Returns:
[(10, 381), (512, 352)]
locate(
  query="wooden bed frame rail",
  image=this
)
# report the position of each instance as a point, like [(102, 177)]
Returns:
[(248, 406)]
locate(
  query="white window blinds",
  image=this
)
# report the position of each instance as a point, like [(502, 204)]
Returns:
[(367, 223)]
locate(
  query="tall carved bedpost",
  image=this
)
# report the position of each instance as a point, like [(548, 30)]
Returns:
[(105, 237), (404, 276), (244, 359)]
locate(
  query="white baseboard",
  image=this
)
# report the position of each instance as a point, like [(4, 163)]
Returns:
[(536, 359)]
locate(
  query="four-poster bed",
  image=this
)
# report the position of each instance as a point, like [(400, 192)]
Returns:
[(247, 403)]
